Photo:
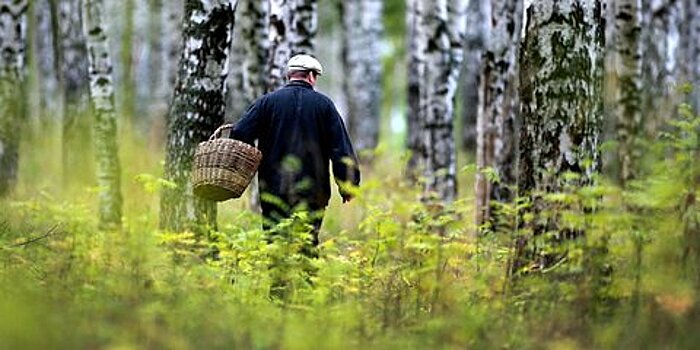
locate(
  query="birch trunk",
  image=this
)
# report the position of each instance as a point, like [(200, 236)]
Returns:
[(561, 85), (73, 79), (694, 54), (155, 47), (102, 98), (248, 56), (689, 57), (31, 110), (235, 104), (255, 45), (128, 88), (292, 30), (561, 99), (628, 21), (172, 16), (362, 65), (47, 83), (416, 68), (13, 47), (659, 38), (497, 138), (478, 29), (198, 107), (441, 32)]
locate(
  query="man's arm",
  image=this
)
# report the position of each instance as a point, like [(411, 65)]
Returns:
[(248, 128), (346, 168)]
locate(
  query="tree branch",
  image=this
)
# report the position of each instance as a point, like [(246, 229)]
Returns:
[(48, 233)]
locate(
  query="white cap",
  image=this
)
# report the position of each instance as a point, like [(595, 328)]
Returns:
[(304, 63)]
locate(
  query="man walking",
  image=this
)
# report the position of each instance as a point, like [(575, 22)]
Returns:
[(299, 131)]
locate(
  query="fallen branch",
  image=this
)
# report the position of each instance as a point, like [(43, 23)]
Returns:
[(50, 232)]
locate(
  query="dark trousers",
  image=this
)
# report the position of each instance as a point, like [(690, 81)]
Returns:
[(274, 213)]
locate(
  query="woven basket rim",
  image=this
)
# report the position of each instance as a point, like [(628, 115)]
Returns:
[(244, 145)]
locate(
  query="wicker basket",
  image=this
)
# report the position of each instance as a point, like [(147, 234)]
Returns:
[(223, 167)]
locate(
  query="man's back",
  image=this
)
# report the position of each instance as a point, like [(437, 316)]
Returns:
[(298, 131)]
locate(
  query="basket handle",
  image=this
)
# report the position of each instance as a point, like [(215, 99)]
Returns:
[(217, 132)]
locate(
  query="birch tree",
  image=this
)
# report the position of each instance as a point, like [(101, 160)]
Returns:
[(561, 84), (155, 47), (255, 45), (499, 108), (292, 29), (13, 48), (235, 104), (250, 53), (46, 78), (102, 101), (628, 22), (689, 47), (416, 67), (172, 20), (128, 87), (478, 29), (198, 107), (438, 53), (660, 38), (362, 65), (73, 84)]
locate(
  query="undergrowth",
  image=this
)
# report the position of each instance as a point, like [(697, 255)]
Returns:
[(391, 273)]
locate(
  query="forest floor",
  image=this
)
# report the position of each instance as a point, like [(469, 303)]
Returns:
[(392, 273)]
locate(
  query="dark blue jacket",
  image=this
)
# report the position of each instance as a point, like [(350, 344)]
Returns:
[(299, 131)]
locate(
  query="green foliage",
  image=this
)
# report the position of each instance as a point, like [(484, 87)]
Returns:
[(392, 272)]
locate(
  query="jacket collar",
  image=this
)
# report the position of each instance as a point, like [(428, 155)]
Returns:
[(300, 83)]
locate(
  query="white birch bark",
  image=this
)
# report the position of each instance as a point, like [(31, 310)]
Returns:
[(73, 79), (31, 95), (561, 93), (416, 69), (102, 100), (628, 22), (248, 57), (12, 60), (198, 107), (75, 65), (689, 47), (362, 65), (127, 101), (497, 139), (151, 66), (172, 19), (146, 37), (443, 35), (478, 29), (256, 46), (235, 104), (292, 30), (47, 85), (660, 38), (694, 54)]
